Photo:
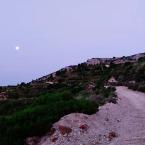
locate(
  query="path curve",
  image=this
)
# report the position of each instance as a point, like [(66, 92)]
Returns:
[(114, 124)]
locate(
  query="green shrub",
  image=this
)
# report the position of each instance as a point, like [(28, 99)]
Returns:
[(37, 118)]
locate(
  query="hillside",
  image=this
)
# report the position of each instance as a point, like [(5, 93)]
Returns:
[(115, 60), (30, 109), (70, 76)]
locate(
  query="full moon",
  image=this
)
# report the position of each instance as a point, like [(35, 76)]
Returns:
[(17, 48)]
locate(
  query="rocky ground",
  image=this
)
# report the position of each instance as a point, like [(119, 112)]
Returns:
[(115, 124)]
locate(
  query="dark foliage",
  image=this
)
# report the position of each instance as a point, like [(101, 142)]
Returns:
[(37, 118)]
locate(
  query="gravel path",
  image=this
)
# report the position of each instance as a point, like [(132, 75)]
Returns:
[(131, 129), (114, 124)]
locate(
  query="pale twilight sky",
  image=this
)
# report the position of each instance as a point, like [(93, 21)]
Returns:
[(52, 34)]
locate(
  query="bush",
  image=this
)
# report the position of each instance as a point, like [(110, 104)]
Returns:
[(37, 118), (141, 88)]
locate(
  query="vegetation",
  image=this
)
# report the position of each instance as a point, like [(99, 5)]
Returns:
[(31, 109), (131, 74), (37, 118)]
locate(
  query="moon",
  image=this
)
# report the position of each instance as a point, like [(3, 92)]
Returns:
[(17, 48)]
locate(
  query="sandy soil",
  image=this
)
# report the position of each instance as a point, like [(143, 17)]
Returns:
[(131, 112), (114, 124)]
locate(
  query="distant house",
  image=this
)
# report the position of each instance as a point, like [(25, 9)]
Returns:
[(112, 81), (93, 61)]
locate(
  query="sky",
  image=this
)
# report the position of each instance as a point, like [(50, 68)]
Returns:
[(38, 37)]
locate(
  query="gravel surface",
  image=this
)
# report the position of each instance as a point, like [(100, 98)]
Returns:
[(115, 124)]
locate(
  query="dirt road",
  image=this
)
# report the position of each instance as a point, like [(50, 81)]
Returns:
[(115, 124), (131, 129)]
